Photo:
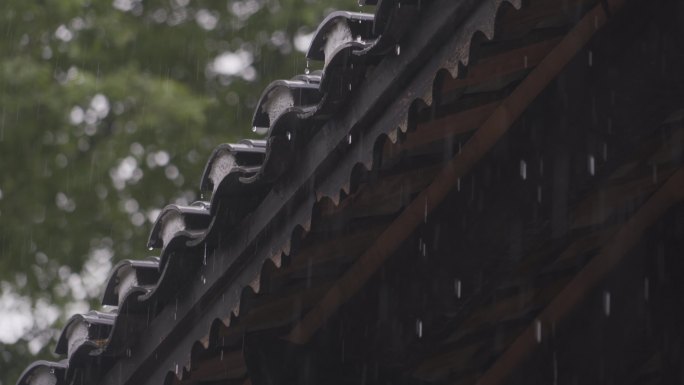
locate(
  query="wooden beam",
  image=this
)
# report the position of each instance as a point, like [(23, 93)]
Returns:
[(502, 65), (228, 365), (671, 193), (479, 144), (460, 123)]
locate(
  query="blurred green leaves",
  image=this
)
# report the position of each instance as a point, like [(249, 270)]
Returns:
[(108, 111)]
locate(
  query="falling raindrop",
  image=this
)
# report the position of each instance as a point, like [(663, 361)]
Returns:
[(128, 352), (646, 288), (458, 184), (221, 354), (175, 312), (523, 169), (204, 262), (591, 58), (176, 369), (397, 50), (350, 86), (539, 194), (425, 212), (288, 135), (204, 280), (606, 303), (306, 71), (349, 139), (457, 288), (526, 61), (538, 330), (419, 328), (591, 165), (604, 151)]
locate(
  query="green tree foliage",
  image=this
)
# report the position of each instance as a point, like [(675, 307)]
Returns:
[(108, 111)]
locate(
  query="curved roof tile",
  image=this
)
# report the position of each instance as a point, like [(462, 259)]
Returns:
[(128, 275), (337, 29), (175, 219), (44, 372)]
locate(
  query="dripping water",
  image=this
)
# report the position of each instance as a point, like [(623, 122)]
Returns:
[(523, 169), (539, 194), (606, 303), (538, 330), (425, 214)]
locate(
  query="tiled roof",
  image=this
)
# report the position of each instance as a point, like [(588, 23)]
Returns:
[(296, 116), (319, 128)]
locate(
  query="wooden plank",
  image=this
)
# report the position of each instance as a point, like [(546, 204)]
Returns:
[(226, 365), (491, 68), (636, 179), (542, 14), (275, 313), (440, 129), (439, 366), (384, 196), (608, 200), (328, 250)]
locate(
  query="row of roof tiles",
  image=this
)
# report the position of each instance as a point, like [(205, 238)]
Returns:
[(343, 41), (236, 176)]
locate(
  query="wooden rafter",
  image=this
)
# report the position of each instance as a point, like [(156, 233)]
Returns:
[(484, 138), (671, 193)]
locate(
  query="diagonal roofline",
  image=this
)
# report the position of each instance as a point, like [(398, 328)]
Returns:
[(334, 144)]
